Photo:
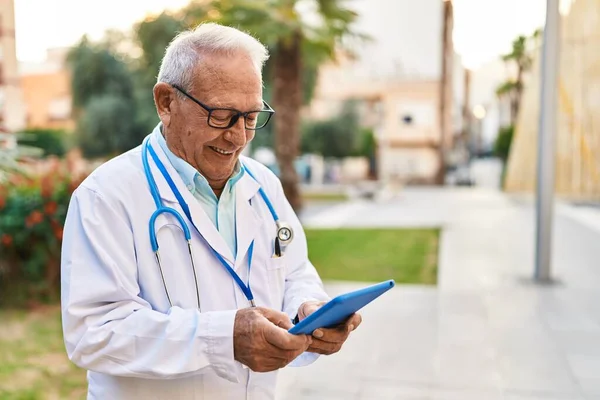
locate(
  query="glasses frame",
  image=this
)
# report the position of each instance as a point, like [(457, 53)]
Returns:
[(236, 114)]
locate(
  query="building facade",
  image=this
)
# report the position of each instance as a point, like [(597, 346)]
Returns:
[(397, 77), (12, 112), (47, 92)]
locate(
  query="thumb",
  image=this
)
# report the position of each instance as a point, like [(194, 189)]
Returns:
[(280, 338), (309, 307)]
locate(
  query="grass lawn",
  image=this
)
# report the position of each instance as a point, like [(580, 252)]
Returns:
[(374, 255), (33, 362), (316, 196)]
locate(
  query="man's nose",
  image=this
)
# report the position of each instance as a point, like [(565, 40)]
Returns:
[(237, 133)]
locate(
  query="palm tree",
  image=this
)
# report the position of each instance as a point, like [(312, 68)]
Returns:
[(292, 40), (521, 55), (445, 86)]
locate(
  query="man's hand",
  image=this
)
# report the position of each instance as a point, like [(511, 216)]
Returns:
[(328, 341), (261, 340)]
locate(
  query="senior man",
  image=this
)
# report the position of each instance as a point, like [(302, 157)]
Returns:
[(183, 264)]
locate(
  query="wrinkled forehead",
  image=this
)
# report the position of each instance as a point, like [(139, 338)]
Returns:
[(228, 78)]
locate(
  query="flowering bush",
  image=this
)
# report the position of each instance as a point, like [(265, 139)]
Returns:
[(32, 214)]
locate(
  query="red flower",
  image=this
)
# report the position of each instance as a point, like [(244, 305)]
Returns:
[(50, 208), (58, 232), (46, 186), (34, 218), (6, 240)]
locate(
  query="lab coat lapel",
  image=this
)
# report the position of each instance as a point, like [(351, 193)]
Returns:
[(247, 220), (202, 222)]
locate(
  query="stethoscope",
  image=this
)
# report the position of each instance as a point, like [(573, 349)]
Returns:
[(283, 237)]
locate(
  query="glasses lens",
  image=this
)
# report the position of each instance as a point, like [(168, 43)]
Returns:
[(257, 120), (220, 118)]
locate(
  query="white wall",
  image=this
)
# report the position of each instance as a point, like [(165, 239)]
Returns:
[(407, 39)]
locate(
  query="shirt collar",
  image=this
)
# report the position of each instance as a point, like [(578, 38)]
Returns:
[(192, 179)]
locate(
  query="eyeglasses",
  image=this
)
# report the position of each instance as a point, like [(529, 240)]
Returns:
[(225, 118)]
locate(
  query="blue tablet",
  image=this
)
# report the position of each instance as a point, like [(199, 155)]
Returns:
[(340, 308)]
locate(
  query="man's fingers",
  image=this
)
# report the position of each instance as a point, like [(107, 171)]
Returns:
[(322, 347), (277, 318), (280, 338), (309, 307), (334, 335), (286, 356), (353, 322), (285, 324), (339, 333)]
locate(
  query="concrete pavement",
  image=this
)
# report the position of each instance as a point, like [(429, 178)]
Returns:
[(486, 331)]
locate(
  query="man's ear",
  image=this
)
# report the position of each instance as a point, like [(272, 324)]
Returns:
[(164, 97)]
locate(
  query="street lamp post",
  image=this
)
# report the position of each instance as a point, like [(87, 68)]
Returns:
[(547, 143)]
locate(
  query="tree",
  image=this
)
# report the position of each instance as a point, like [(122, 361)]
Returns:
[(337, 137), (521, 56), (97, 71), (445, 99), (103, 99), (152, 36), (106, 126), (503, 142), (291, 40)]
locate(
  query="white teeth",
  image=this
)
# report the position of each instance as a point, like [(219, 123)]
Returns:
[(227, 153)]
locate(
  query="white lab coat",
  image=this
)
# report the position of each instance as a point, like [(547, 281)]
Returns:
[(117, 321)]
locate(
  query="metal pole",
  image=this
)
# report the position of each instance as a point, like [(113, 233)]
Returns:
[(547, 143)]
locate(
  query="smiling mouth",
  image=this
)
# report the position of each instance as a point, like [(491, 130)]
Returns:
[(221, 151)]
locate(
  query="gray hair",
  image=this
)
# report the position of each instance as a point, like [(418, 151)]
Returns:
[(183, 53)]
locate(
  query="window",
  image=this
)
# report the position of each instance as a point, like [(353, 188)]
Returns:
[(416, 113)]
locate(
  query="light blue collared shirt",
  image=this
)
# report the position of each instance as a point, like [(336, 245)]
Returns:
[(220, 210)]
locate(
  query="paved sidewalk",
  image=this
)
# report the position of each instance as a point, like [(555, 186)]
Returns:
[(486, 331)]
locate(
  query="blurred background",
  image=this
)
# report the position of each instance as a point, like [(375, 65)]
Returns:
[(410, 152)]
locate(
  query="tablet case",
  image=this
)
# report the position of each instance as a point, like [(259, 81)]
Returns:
[(340, 308)]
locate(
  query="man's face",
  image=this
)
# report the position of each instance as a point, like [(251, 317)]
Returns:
[(221, 81)]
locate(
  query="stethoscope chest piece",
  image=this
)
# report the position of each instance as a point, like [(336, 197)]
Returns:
[(285, 234)]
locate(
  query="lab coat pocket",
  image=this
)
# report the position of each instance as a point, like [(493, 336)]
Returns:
[(276, 263), (276, 267)]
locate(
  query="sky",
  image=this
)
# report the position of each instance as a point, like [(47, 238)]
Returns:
[(483, 29)]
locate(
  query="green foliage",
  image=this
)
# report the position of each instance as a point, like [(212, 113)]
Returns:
[(152, 36), (521, 55), (106, 126), (9, 160), (105, 99), (504, 142), (97, 71), (506, 88), (33, 210), (519, 52), (338, 137), (332, 30), (367, 144), (51, 141)]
